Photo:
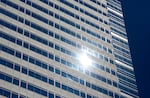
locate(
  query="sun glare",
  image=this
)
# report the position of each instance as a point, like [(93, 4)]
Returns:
[(85, 60)]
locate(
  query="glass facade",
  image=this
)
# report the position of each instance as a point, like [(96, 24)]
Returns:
[(125, 71), (45, 46)]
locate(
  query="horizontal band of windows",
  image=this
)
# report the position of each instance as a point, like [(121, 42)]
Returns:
[(122, 45), (10, 94), (121, 49), (114, 8), (126, 73), (118, 52), (25, 85), (119, 32), (130, 92), (123, 59), (129, 85), (126, 79), (120, 41), (40, 90), (116, 23), (113, 17)]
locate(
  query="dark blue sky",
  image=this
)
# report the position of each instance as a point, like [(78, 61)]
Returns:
[(137, 18)]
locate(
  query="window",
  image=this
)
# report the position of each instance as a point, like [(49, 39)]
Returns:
[(51, 95), (51, 68), (18, 54), (87, 84), (14, 95), (81, 81), (23, 84), (5, 92), (63, 74), (15, 81), (58, 96), (26, 45), (51, 81), (17, 67), (51, 56), (57, 71), (109, 82), (82, 94), (64, 87), (24, 70), (57, 59), (19, 42), (57, 84), (89, 96)]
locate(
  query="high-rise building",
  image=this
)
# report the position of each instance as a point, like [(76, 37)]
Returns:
[(64, 49)]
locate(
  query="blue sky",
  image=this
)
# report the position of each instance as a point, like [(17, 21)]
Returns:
[(137, 19)]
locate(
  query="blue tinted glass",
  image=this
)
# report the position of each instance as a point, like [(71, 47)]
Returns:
[(19, 42), (14, 95), (51, 95), (21, 9), (23, 84), (27, 23), (51, 33), (51, 56), (24, 70), (111, 93), (64, 87), (44, 78), (51, 68), (25, 57), (51, 44), (21, 96), (58, 96), (51, 81), (10, 51), (57, 47), (63, 74), (20, 30), (31, 60), (76, 92), (57, 71), (89, 96), (18, 54), (17, 67), (57, 84), (7, 78), (26, 45), (70, 89), (87, 84), (57, 59), (6, 63), (5, 92), (15, 81), (81, 81), (82, 95)]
